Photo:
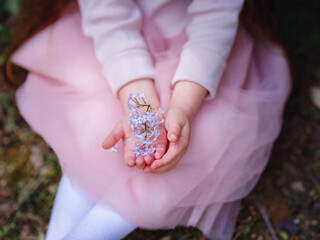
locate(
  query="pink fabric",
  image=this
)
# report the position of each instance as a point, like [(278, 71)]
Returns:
[(69, 103)]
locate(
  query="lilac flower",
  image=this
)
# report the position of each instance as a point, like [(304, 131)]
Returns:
[(144, 124)]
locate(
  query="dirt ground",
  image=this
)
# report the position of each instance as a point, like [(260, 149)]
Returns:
[(285, 204)]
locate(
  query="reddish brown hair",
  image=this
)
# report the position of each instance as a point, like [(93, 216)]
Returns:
[(257, 17)]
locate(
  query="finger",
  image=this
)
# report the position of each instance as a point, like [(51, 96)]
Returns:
[(174, 129), (140, 163), (116, 134), (148, 159), (141, 166), (160, 150), (167, 167), (148, 169), (130, 159), (171, 154), (164, 168)]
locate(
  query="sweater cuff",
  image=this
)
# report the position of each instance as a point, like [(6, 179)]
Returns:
[(127, 67), (201, 66)]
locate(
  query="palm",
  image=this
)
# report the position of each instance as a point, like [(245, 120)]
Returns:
[(160, 145)]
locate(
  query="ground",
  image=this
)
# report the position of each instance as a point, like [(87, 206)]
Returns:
[(285, 203)]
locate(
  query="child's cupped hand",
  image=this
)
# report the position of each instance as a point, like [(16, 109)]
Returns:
[(171, 144), (123, 131), (177, 125)]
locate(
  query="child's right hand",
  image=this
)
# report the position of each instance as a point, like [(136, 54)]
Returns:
[(122, 131)]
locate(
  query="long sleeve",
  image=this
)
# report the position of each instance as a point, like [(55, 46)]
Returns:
[(211, 33), (115, 26)]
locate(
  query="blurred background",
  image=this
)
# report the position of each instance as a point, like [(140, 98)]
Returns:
[(284, 205)]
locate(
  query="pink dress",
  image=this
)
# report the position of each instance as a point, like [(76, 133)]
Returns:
[(67, 100)]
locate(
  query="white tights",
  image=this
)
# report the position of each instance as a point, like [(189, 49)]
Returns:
[(75, 217)]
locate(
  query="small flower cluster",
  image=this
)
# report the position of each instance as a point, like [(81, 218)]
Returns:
[(144, 124)]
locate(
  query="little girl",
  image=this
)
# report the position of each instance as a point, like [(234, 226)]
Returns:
[(222, 83)]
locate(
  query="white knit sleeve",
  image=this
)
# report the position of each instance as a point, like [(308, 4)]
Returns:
[(211, 33), (115, 26)]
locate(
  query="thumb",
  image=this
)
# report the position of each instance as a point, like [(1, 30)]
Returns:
[(116, 134), (174, 130)]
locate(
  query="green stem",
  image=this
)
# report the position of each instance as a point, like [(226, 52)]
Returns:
[(149, 109)]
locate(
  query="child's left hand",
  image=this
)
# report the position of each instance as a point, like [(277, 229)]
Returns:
[(177, 124), (185, 102)]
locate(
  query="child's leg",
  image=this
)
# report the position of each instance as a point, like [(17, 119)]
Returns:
[(70, 206), (75, 214), (101, 224)]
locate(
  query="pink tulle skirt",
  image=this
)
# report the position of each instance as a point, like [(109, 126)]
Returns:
[(67, 100)]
